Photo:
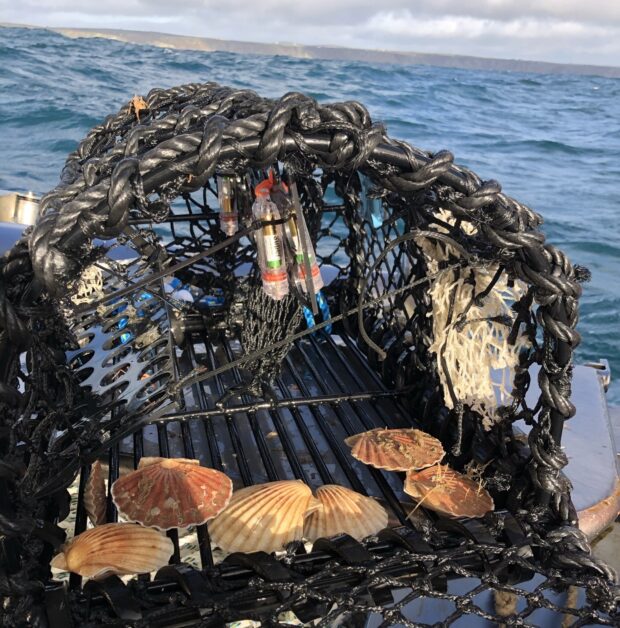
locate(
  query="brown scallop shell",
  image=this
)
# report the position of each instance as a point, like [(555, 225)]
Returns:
[(115, 549), (396, 449), (95, 496), (170, 493), (444, 490), (264, 517), (344, 511)]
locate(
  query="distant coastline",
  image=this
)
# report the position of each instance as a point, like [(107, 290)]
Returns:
[(185, 42)]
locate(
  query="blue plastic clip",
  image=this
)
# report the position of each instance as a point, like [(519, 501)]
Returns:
[(324, 307), (118, 310), (325, 314), (216, 299), (173, 284), (308, 316)]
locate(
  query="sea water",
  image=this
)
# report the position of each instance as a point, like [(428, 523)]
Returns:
[(553, 141)]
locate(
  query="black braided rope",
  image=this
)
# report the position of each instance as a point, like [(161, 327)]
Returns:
[(127, 167)]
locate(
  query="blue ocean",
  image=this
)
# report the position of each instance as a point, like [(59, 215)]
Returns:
[(553, 141)]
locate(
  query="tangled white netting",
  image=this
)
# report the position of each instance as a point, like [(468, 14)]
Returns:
[(471, 338), (89, 286)]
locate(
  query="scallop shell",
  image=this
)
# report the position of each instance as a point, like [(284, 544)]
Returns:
[(95, 496), (264, 517), (115, 549), (397, 449), (344, 511), (170, 493), (146, 461), (444, 490)]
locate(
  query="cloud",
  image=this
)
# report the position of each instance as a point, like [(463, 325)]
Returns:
[(554, 30), (561, 40), (593, 11), (404, 24)]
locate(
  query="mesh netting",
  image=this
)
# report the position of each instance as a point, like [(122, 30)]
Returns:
[(441, 288)]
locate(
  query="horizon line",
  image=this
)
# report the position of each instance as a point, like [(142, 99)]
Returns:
[(338, 53)]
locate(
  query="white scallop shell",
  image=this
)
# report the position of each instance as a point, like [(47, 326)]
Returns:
[(344, 511), (115, 549), (264, 517)]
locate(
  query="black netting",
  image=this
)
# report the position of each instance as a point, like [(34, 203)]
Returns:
[(442, 301)]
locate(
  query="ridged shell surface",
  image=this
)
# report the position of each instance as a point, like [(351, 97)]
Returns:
[(171, 493), (344, 511), (145, 461), (95, 495), (115, 549), (264, 517), (445, 490), (396, 449)]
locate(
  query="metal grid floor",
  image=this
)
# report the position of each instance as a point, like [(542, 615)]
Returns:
[(325, 392)]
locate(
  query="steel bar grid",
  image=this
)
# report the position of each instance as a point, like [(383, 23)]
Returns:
[(326, 392)]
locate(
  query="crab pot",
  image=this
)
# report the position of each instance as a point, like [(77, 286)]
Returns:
[(138, 320)]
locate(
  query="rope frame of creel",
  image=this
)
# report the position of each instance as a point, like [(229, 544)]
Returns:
[(184, 136), (242, 130)]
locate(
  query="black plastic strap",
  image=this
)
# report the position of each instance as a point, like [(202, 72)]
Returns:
[(215, 621), (345, 547), (514, 532), (476, 561), (264, 565), (50, 533), (407, 538), (190, 580), (57, 607), (118, 596), (516, 536), (480, 532), (454, 527), (411, 541), (310, 610)]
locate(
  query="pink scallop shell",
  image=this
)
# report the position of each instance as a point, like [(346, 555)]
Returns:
[(171, 493), (396, 449), (445, 490)]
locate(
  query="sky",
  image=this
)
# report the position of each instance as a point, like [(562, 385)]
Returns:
[(564, 31)]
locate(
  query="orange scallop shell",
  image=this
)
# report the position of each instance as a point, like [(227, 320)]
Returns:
[(115, 549), (396, 449), (145, 461), (444, 490), (344, 511), (264, 517), (95, 496), (170, 493)]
